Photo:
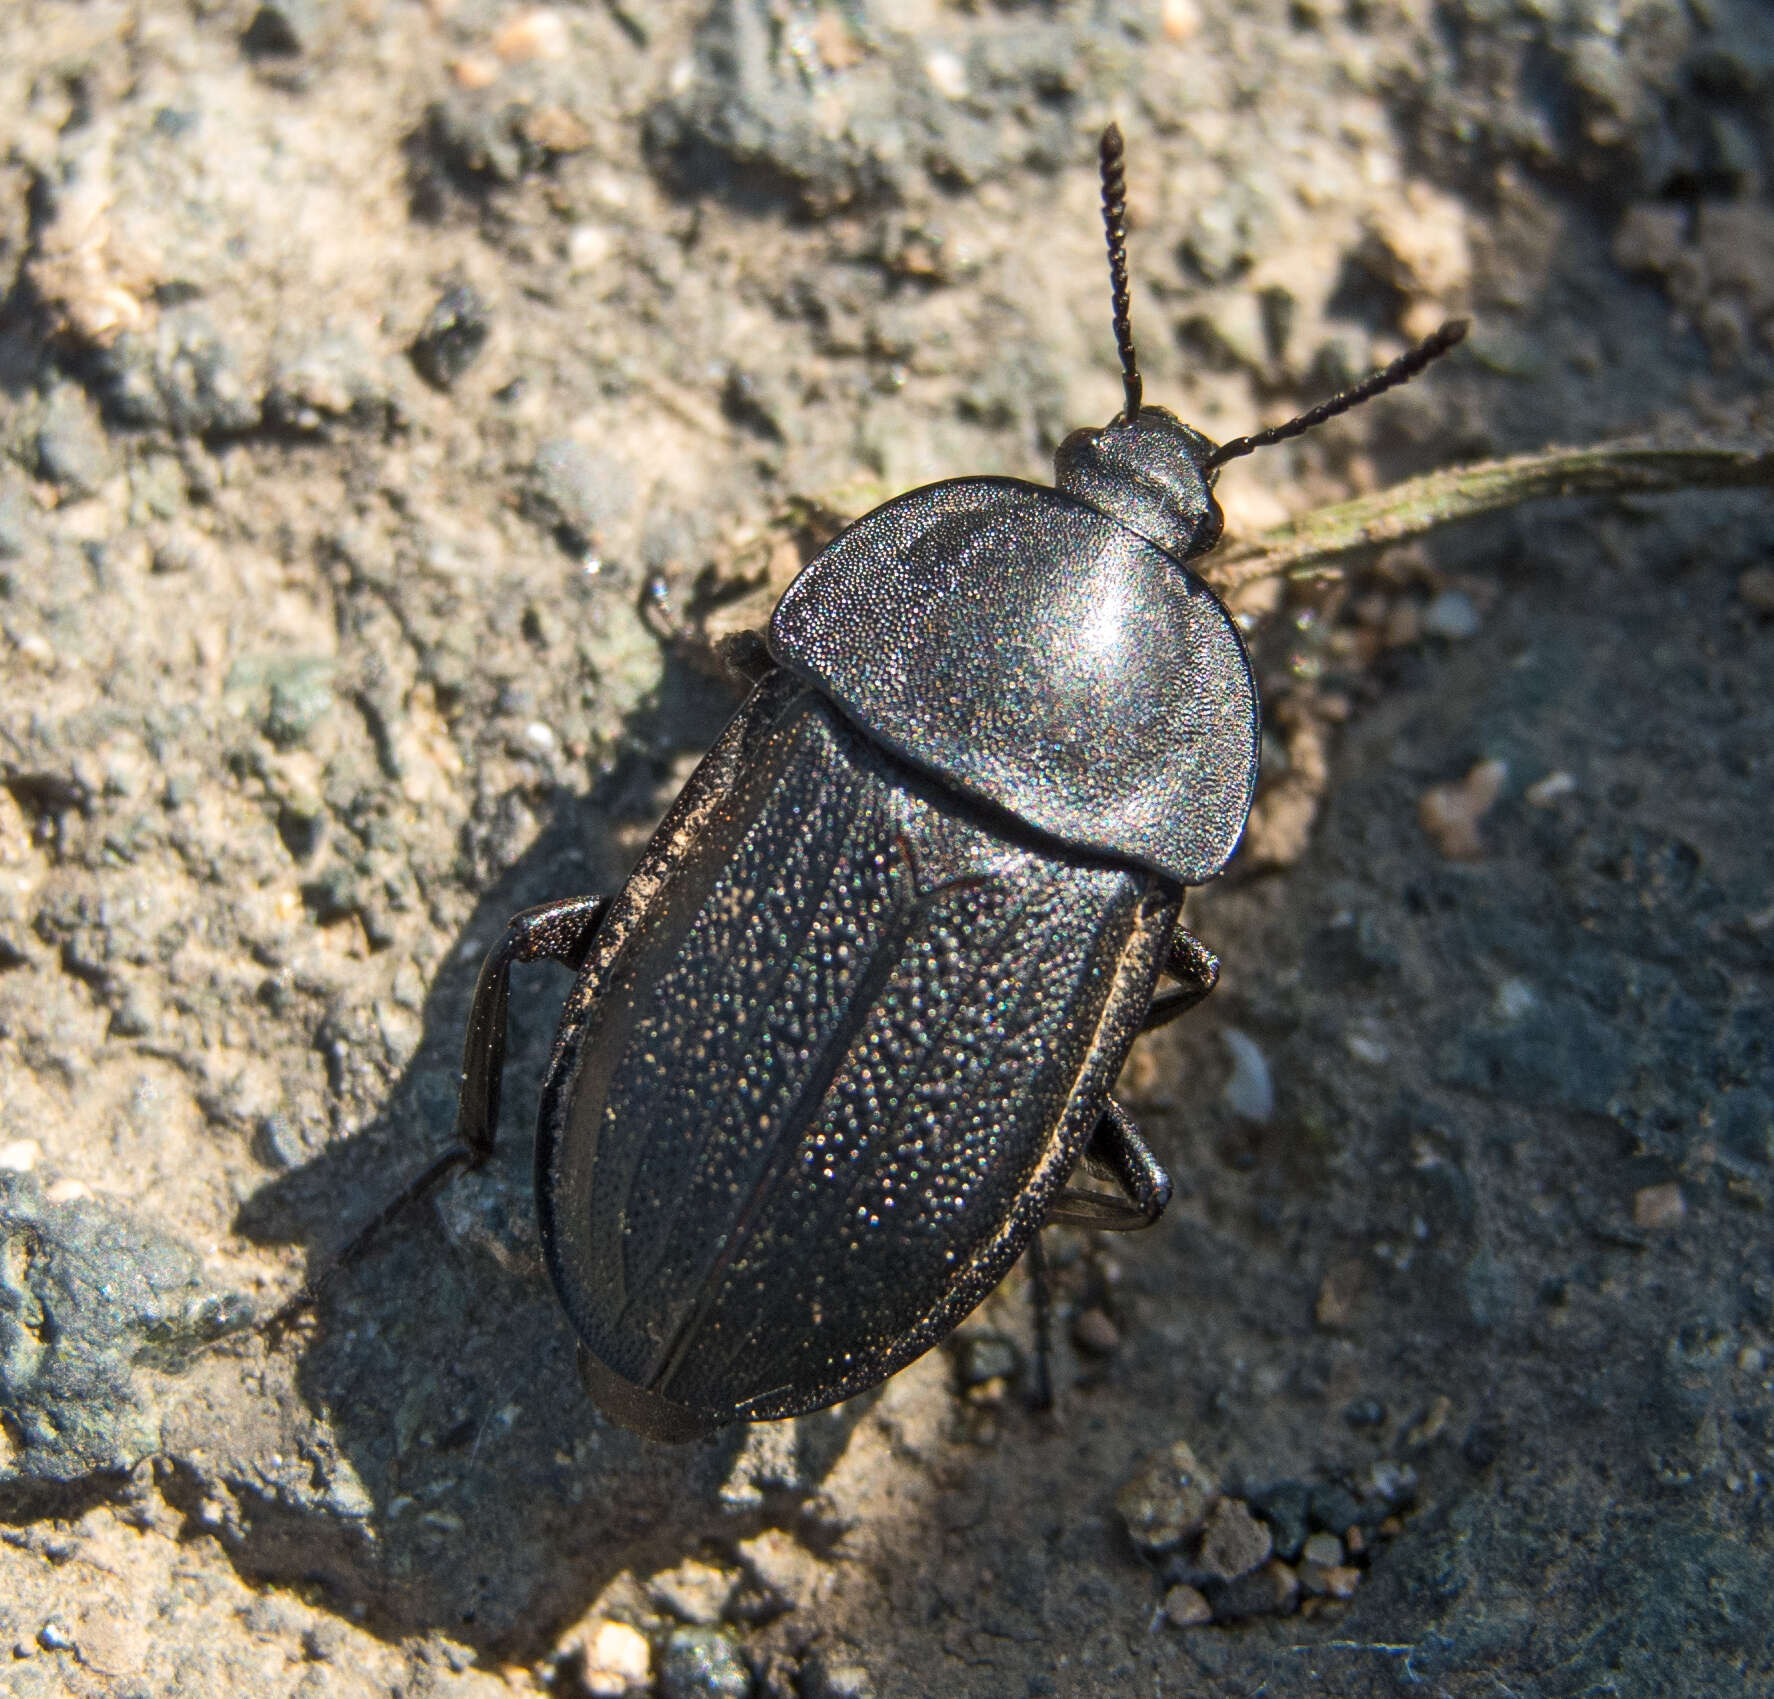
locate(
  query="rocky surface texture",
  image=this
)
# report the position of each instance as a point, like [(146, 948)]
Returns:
[(379, 385)]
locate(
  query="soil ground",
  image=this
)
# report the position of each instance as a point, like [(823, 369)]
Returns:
[(385, 387)]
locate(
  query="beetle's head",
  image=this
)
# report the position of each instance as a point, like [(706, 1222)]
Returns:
[(1150, 472)]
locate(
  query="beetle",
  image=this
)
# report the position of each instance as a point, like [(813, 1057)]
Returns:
[(838, 1045)]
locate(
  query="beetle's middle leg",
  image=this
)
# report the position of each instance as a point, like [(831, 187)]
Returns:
[(1118, 1153), (1116, 1150), (559, 931), (1191, 962)]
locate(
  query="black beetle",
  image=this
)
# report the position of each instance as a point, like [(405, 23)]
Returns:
[(838, 1045)]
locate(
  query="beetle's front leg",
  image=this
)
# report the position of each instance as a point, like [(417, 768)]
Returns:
[(1196, 966), (747, 654), (1117, 1152), (560, 931)]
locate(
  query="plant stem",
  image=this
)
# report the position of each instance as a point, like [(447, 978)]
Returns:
[(1319, 544)]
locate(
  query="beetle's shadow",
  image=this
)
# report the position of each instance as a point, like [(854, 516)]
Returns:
[(476, 1491)]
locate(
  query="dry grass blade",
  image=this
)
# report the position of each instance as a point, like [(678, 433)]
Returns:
[(1318, 544)]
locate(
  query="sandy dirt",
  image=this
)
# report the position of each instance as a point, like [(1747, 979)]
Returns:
[(387, 392)]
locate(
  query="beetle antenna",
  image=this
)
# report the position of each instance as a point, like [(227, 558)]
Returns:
[(1402, 370), (1112, 157)]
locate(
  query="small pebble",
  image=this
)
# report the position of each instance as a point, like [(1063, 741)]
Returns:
[(1338, 1293), (948, 76), (780, 1566), (588, 246), (617, 1661), (1365, 1049), (72, 449), (1449, 814), (454, 333), (1341, 1581), (832, 1675), (1179, 19), (1451, 615), (1234, 1542), (1333, 1509), (37, 649), (538, 34), (700, 1663), (1250, 1092), (67, 1191), (837, 48), (1431, 1424), (1543, 793), (475, 71), (1283, 1507), (1656, 1207), (1185, 1606), (1167, 1499), (983, 1357), (556, 130), (1095, 1333), (1329, 1580), (52, 1637), (1364, 1413), (1756, 587), (1325, 1550), (20, 1156), (693, 1592), (1389, 1483), (285, 28), (1514, 1000), (1272, 1590)]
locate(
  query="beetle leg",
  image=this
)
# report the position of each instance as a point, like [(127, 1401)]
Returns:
[(1118, 1152), (745, 653), (1196, 966), (1041, 1296), (556, 932), (561, 932)]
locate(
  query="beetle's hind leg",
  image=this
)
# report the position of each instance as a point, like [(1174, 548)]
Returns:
[(1041, 1297), (1117, 1152), (1191, 962), (562, 932), (555, 932)]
